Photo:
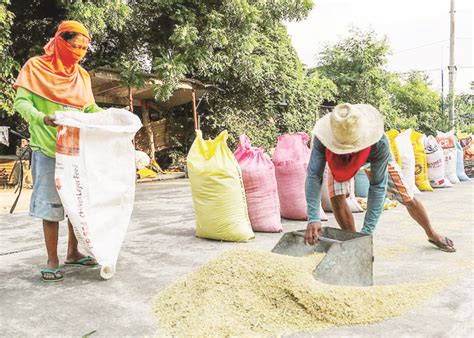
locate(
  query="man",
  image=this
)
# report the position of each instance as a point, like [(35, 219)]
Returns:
[(347, 138), (48, 83)]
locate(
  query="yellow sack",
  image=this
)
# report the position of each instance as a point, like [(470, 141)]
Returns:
[(218, 191), (421, 163), (392, 134), (146, 173)]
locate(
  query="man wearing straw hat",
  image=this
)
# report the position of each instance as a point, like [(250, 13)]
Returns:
[(347, 138)]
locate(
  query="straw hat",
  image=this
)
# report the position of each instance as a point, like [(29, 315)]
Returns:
[(349, 128)]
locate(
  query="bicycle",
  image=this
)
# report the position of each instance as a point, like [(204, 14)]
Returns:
[(18, 169)]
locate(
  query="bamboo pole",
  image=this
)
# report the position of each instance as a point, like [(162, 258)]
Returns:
[(195, 113)]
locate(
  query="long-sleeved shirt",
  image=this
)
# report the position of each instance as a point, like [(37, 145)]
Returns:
[(379, 158), (33, 108)]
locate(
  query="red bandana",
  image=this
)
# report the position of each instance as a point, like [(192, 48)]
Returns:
[(344, 167)]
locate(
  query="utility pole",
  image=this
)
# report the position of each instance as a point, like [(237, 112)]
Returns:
[(452, 67), (442, 91)]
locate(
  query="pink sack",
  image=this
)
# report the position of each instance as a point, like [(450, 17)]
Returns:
[(244, 148), (291, 159), (258, 174)]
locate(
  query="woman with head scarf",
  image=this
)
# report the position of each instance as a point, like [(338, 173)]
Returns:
[(48, 83)]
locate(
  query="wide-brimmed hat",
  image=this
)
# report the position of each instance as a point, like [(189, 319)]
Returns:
[(349, 128)]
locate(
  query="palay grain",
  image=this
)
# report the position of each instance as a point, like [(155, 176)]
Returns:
[(248, 292)]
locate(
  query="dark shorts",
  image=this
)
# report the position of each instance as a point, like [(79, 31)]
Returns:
[(45, 202)]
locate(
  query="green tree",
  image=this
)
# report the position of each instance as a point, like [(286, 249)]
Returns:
[(26, 26), (415, 103), (7, 65), (242, 47), (8, 69), (280, 98), (131, 76), (464, 112), (209, 40), (356, 65), (36, 22)]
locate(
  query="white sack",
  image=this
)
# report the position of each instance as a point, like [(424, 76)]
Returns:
[(405, 149), (95, 178)]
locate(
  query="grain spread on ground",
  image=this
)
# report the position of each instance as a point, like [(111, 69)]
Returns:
[(391, 251), (245, 292)]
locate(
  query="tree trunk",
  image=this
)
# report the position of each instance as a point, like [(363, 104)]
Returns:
[(149, 132), (130, 98)]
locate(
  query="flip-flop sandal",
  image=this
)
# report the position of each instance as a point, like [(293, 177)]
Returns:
[(82, 261), (442, 246), (53, 272)]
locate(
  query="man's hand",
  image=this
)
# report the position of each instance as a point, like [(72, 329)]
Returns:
[(313, 231), (50, 121)]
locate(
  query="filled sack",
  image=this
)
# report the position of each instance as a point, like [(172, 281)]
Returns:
[(261, 191), (362, 184), (447, 141), (218, 191), (98, 199), (468, 149), (141, 159), (435, 158), (407, 157), (392, 135), (460, 163), (421, 163), (291, 158), (465, 140)]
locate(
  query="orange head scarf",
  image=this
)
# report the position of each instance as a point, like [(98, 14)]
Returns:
[(57, 75)]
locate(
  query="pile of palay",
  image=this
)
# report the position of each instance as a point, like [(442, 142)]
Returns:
[(245, 292)]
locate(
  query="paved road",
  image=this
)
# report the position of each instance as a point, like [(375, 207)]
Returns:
[(160, 247)]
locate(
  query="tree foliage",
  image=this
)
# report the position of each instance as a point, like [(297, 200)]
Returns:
[(356, 64), (414, 102), (35, 23), (278, 97), (241, 47), (464, 112), (8, 65)]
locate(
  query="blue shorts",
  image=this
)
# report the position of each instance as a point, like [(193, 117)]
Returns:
[(45, 202)]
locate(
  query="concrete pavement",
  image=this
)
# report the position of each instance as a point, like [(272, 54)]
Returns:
[(160, 247)]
